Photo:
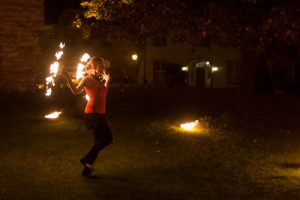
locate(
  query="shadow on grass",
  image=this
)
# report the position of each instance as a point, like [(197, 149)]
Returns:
[(291, 165), (104, 177)]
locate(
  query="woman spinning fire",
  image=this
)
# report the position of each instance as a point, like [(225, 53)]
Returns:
[(96, 85)]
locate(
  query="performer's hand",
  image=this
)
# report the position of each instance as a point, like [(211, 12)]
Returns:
[(105, 77), (64, 73)]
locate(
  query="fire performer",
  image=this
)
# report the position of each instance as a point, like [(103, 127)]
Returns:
[(96, 85)]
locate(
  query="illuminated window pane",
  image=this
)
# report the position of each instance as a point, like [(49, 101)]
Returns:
[(159, 71)]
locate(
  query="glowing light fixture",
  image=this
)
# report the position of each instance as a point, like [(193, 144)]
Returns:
[(134, 56), (185, 68), (214, 69)]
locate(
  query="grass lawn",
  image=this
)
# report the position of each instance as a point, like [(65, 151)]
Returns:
[(250, 150)]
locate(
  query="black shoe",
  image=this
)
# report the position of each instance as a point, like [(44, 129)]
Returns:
[(86, 172), (87, 165)]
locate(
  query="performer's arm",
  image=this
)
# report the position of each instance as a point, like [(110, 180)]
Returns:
[(75, 89)]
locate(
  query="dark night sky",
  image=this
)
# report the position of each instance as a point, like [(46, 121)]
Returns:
[(54, 8)]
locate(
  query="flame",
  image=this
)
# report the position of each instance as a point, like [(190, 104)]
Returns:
[(49, 80), (54, 69), (48, 92), (61, 45), (87, 97), (81, 66), (190, 125), (53, 115), (85, 57), (58, 54), (80, 71)]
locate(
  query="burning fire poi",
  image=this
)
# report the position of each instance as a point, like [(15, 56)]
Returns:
[(53, 115), (54, 68), (190, 125), (50, 80), (81, 69), (199, 126), (81, 66)]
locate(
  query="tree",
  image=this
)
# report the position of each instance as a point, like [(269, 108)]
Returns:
[(127, 20), (252, 25)]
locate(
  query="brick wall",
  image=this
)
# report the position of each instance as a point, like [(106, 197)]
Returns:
[(20, 21)]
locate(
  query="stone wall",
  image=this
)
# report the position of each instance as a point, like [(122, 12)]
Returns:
[(20, 23)]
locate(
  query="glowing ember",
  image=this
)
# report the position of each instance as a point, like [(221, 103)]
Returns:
[(53, 115), (190, 125)]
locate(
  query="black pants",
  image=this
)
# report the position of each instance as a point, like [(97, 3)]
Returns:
[(102, 135)]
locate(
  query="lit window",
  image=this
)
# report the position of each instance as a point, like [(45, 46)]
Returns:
[(159, 71)]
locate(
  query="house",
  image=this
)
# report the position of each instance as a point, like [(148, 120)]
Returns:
[(165, 63), (206, 66), (19, 50)]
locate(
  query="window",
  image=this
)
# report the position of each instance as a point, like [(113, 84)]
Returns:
[(159, 71), (232, 71), (160, 40)]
